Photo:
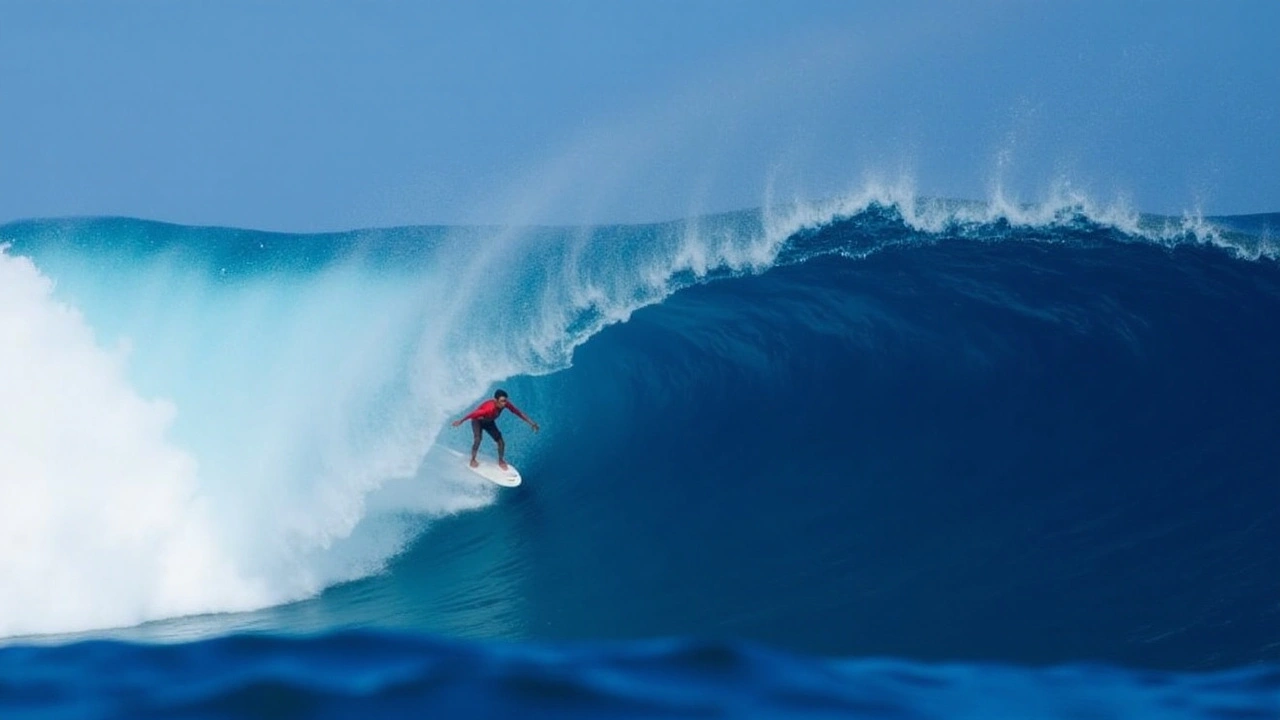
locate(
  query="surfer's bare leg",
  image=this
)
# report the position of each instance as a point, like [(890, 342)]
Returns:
[(475, 443), (502, 449)]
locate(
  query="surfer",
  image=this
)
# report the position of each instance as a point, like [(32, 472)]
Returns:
[(485, 418)]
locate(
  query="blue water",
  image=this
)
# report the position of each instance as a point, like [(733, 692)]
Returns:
[(887, 457)]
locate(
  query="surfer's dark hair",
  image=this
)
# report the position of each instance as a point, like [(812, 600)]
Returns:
[(500, 394)]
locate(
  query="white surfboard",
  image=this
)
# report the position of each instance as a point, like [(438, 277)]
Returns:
[(490, 471)]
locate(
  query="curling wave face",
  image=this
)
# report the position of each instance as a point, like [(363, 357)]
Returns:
[(209, 420)]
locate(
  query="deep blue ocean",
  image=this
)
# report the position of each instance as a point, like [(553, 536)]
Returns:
[(883, 457)]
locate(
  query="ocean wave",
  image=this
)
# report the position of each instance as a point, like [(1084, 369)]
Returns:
[(273, 401)]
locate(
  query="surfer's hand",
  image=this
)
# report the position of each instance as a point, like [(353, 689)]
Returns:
[(535, 426), (456, 423)]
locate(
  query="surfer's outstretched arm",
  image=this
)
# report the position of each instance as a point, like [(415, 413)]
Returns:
[(516, 411)]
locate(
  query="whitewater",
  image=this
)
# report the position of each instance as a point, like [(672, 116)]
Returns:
[(209, 420), (193, 432)]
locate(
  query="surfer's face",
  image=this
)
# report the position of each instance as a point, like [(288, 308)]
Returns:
[(502, 402)]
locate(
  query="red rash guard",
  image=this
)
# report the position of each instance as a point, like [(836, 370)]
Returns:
[(489, 410)]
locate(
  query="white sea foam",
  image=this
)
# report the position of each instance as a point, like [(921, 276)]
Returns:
[(103, 520)]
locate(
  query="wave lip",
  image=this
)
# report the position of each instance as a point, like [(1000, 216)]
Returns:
[(892, 215), (382, 675)]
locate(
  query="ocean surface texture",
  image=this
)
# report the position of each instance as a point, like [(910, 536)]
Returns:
[(884, 457)]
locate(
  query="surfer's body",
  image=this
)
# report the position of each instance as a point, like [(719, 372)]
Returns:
[(485, 419)]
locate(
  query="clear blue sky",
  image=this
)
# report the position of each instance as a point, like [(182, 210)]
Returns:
[(313, 115)]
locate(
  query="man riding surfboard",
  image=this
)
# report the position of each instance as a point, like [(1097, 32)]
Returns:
[(485, 418)]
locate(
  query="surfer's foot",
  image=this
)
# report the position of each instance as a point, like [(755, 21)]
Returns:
[(502, 464), (474, 463)]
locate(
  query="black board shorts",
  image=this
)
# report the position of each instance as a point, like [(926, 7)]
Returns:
[(488, 426)]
